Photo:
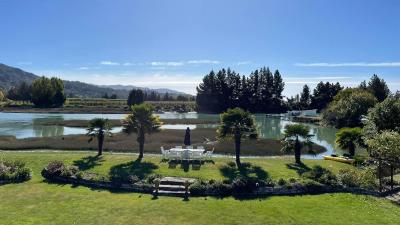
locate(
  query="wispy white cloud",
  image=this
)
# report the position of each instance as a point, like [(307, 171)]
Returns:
[(178, 63), (351, 64), (24, 63), (325, 77), (203, 61), (83, 68), (162, 63), (244, 63), (109, 63)]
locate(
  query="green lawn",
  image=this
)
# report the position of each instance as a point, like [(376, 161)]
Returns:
[(274, 167), (37, 202)]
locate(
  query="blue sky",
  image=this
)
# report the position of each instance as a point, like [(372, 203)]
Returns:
[(174, 43)]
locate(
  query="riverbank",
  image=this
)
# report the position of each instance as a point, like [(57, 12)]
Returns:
[(72, 110), (167, 138), (118, 123)]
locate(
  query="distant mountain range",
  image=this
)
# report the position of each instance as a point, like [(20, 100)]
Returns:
[(11, 77), (145, 89)]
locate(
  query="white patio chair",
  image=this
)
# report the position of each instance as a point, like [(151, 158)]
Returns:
[(175, 155), (164, 153), (189, 147), (209, 154), (186, 155), (196, 155)]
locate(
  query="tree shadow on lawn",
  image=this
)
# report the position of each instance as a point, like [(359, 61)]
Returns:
[(137, 168), (299, 168), (247, 170), (98, 189), (88, 162), (185, 165)]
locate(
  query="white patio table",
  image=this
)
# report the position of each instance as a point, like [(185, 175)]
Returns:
[(184, 153)]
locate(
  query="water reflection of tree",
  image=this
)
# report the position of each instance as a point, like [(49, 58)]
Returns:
[(41, 130), (324, 134), (269, 127)]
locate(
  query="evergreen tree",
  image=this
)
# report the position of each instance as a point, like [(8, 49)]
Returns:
[(305, 98), (278, 86), (135, 97), (324, 94), (260, 92), (378, 88)]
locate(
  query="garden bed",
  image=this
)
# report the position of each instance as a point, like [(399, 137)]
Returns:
[(316, 181), (14, 172)]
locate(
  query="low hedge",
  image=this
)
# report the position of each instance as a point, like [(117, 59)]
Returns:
[(315, 181), (58, 171), (14, 172)]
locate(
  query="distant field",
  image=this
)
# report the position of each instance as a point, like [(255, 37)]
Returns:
[(116, 123), (97, 105), (71, 102)]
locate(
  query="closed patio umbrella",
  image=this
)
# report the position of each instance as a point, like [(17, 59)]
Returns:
[(186, 142)]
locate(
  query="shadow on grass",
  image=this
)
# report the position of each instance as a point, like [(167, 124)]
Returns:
[(187, 165), (88, 162), (135, 168), (300, 168), (247, 170)]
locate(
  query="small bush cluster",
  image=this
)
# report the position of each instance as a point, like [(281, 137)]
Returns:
[(14, 172), (365, 178), (211, 187), (322, 176), (59, 169), (240, 185), (349, 178)]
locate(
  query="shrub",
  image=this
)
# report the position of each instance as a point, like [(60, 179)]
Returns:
[(351, 178), (69, 171), (312, 186), (149, 179), (348, 178), (321, 175), (219, 188), (80, 175), (54, 168), (281, 182), (243, 185), (198, 188), (368, 178), (14, 171), (133, 179)]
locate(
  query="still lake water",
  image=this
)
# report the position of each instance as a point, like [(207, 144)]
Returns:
[(25, 125)]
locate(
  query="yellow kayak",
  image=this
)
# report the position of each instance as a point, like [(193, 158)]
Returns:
[(339, 159)]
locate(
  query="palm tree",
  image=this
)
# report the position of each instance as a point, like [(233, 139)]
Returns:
[(349, 138), (238, 124), (141, 121), (99, 128), (295, 137)]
